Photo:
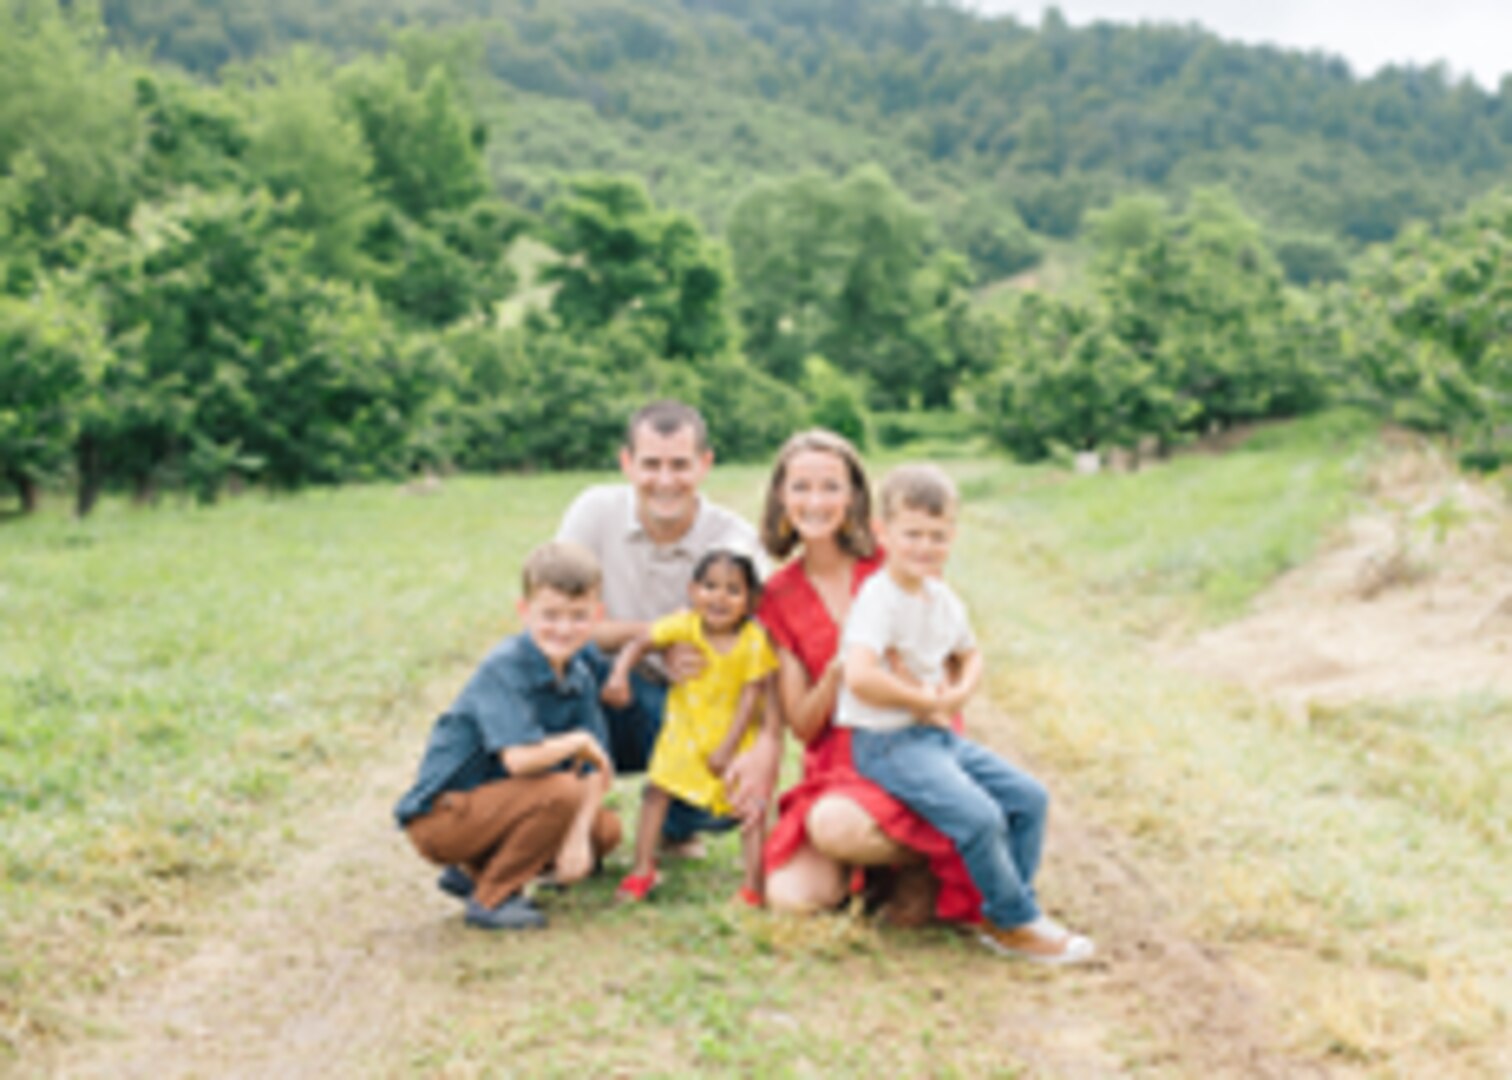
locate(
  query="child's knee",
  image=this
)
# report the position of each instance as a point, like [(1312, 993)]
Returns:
[(608, 831), (1036, 798), (562, 793), (978, 817)]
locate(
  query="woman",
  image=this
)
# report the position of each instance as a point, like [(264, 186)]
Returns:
[(818, 503)]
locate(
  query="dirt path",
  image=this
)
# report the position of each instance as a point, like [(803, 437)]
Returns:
[(1213, 1022), (292, 977), (308, 972), (1412, 599)]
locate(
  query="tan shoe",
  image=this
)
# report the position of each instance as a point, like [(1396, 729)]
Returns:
[(1043, 941)]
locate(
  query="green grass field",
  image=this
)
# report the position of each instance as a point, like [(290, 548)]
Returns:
[(178, 685)]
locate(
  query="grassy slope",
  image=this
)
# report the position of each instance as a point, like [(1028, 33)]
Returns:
[(174, 684)]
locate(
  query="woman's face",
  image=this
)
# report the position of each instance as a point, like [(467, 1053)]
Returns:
[(816, 494)]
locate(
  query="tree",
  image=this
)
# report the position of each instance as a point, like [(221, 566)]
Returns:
[(308, 153), (1427, 331), (67, 107), (425, 147), (850, 271), (622, 259), (233, 358), (52, 351)]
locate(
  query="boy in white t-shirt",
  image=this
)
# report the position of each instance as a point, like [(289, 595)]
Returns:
[(911, 663)]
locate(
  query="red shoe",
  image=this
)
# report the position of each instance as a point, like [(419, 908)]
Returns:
[(636, 887), (749, 897)]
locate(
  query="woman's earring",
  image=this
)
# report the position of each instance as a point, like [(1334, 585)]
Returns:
[(785, 528)]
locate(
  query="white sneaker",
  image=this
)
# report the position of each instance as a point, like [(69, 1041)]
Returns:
[(1043, 941)]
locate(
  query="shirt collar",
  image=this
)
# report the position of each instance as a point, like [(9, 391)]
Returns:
[(634, 530), (539, 673)]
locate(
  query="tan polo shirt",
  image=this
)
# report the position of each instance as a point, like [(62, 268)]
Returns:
[(643, 580)]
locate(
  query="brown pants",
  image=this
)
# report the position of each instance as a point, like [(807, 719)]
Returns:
[(507, 832)]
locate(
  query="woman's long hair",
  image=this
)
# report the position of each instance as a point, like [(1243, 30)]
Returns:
[(777, 533)]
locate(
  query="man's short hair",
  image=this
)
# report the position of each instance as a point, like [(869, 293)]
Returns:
[(570, 569), (667, 417), (925, 488)]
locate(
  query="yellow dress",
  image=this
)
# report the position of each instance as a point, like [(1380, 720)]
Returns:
[(700, 711)]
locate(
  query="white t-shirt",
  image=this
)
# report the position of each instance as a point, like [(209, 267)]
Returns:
[(924, 628)]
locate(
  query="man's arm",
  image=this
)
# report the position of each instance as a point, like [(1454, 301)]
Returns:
[(616, 690), (612, 635)]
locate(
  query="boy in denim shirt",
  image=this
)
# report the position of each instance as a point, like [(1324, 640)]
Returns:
[(514, 776)]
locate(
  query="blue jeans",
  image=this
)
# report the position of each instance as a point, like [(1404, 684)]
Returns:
[(632, 737), (993, 813)]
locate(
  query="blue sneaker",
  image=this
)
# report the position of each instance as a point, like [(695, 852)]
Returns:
[(512, 913), (455, 882)]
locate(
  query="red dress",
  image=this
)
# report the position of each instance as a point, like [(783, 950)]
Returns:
[(799, 622)]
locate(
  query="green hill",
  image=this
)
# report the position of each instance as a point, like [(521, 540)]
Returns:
[(979, 119)]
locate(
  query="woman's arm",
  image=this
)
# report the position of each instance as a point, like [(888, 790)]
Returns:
[(806, 704)]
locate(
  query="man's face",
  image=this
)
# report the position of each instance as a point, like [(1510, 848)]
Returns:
[(559, 624), (665, 471)]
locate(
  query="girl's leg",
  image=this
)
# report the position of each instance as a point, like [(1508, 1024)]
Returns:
[(653, 813)]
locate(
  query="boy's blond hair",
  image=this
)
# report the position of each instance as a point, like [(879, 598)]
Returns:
[(925, 488), (568, 568)]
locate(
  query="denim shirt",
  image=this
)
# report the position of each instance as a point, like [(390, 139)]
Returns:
[(513, 699)]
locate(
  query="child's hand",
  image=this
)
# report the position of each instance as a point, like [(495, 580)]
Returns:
[(949, 700), (589, 752), (616, 693), (719, 760)]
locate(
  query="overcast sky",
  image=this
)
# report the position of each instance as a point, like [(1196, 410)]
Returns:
[(1473, 36)]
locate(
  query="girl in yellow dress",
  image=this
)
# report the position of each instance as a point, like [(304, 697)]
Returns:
[(709, 717)]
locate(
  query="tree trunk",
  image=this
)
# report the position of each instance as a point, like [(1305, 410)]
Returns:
[(88, 462), (26, 487)]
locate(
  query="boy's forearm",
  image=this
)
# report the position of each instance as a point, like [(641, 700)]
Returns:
[(869, 680), (543, 756)]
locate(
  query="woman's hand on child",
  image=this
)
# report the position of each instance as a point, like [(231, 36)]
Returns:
[(684, 661), (751, 778)]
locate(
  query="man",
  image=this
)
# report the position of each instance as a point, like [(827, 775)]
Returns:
[(648, 534)]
